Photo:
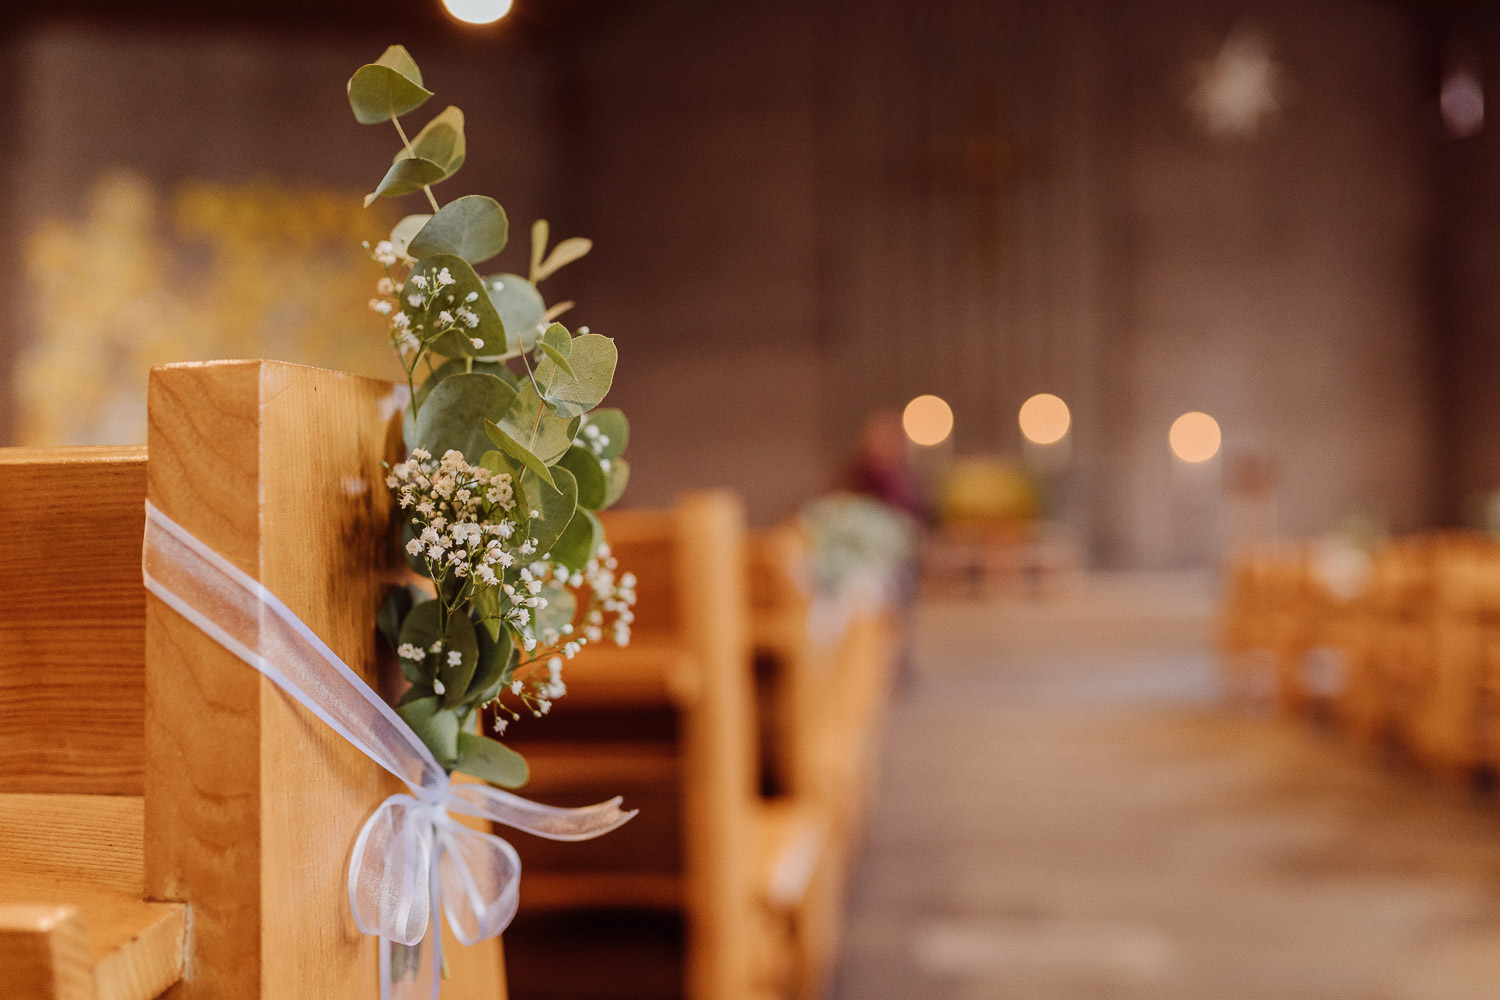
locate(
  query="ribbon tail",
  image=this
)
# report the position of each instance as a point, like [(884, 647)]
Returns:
[(552, 822)]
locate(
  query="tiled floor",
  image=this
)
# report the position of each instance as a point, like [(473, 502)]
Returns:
[(1066, 812)]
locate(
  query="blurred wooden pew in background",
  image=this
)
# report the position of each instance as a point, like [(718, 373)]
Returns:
[(743, 735)]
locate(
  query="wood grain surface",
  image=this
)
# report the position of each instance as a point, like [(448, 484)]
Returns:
[(73, 628), (252, 804)]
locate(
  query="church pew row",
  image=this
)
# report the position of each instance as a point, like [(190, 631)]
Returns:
[(743, 734), (173, 824), (1404, 655)]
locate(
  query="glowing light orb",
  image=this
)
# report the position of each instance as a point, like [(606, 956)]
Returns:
[(1195, 437), (927, 420), (478, 11), (1045, 419)]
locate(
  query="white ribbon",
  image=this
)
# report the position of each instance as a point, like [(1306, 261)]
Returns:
[(411, 859)]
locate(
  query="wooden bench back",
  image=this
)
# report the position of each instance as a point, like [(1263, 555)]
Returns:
[(72, 631)]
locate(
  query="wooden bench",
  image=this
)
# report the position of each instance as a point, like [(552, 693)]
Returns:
[(174, 823), (824, 675)]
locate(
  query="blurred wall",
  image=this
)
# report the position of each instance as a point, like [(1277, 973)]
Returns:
[(806, 212)]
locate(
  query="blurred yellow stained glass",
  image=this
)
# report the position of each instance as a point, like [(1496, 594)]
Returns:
[(204, 271)]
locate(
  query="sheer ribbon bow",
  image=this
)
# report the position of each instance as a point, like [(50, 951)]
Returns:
[(412, 860)]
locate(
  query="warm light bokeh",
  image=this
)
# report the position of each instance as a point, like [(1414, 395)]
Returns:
[(1195, 437), (928, 420), (1045, 418), (478, 11)]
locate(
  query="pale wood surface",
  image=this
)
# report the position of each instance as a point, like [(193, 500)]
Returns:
[(252, 803), (86, 852), (44, 953), (73, 628), (719, 788)]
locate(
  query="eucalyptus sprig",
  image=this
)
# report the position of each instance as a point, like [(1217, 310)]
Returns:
[(509, 457)]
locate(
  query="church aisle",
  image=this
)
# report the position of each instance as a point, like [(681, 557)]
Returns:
[(1066, 812)]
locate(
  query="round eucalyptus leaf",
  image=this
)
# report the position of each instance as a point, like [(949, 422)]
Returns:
[(593, 360), (442, 141), (497, 659), (435, 725), (407, 174), (592, 483), (421, 628), (436, 311), (491, 761), (554, 507), (616, 478), (379, 93), (403, 231), (533, 424), (456, 676), (473, 227), (400, 60), (578, 543), (612, 425), (521, 309), (454, 413)]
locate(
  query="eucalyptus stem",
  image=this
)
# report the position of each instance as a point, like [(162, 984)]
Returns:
[(426, 189)]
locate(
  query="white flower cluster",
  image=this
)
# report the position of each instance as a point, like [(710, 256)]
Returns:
[(459, 518), (427, 294), (595, 440)]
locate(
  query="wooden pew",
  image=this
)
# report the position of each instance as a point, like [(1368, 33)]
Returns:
[(673, 717), (824, 675), (176, 787)]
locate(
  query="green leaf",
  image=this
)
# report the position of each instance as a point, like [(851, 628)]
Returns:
[(562, 605), (554, 505), (592, 481), (393, 611), (473, 227), (436, 726), (521, 309), (533, 424), (455, 414), (421, 628), (461, 366), (378, 92), (497, 660), (557, 345), (456, 676), (402, 233), (442, 141), (487, 604), (613, 426), (400, 60), (562, 255), (616, 477), (538, 245), (578, 543), (424, 313), (490, 761), (514, 449), (408, 174), (593, 360)]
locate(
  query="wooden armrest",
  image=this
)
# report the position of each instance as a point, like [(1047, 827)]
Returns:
[(794, 836), (72, 917)]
